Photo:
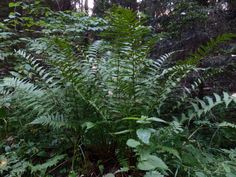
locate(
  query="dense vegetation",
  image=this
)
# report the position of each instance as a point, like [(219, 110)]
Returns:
[(85, 95)]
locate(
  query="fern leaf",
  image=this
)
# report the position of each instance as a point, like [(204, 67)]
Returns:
[(204, 106), (55, 121), (49, 163), (227, 124), (205, 50)]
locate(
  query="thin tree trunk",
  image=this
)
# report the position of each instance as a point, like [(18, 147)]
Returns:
[(86, 6), (4, 9)]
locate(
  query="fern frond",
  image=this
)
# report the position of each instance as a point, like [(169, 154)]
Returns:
[(54, 121), (227, 125), (22, 86), (49, 163), (201, 107), (93, 50), (207, 73), (205, 50), (38, 68), (160, 61), (19, 168)]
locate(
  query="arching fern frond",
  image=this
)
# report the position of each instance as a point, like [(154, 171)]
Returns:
[(161, 60), (93, 50), (49, 163), (206, 49), (54, 121), (227, 125), (203, 76), (201, 107), (38, 68), (21, 85)]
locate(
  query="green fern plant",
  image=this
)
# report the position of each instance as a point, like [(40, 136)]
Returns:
[(119, 75), (95, 92)]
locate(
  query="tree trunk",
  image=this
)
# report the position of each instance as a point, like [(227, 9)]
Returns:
[(132, 4), (100, 7), (4, 9), (59, 5), (86, 8)]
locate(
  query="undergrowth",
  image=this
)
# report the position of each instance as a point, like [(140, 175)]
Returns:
[(73, 106)]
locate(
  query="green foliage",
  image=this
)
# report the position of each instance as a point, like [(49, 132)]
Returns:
[(206, 49), (8, 41), (108, 96), (49, 163), (18, 167), (183, 151), (183, 16), (15, 160), (202, 107)]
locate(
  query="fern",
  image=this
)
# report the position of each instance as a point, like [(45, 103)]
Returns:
[(12, 166), (85, 94), (55, 122), (118, 79), (35, 102), (201, 107), (158, 63), (203, 75), (49, 163), (115, 78), (37, 67), (205, 50), (227, 125), (18, 169)]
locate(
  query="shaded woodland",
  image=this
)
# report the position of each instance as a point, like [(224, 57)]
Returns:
[(110, 88)]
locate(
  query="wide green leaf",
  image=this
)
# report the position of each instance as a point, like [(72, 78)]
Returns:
[(151, 163), (14, 4), (153, 174), (144, 135), (132, 143), (109, 175)]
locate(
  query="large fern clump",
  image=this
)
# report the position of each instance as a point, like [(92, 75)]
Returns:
[(117, 77)]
